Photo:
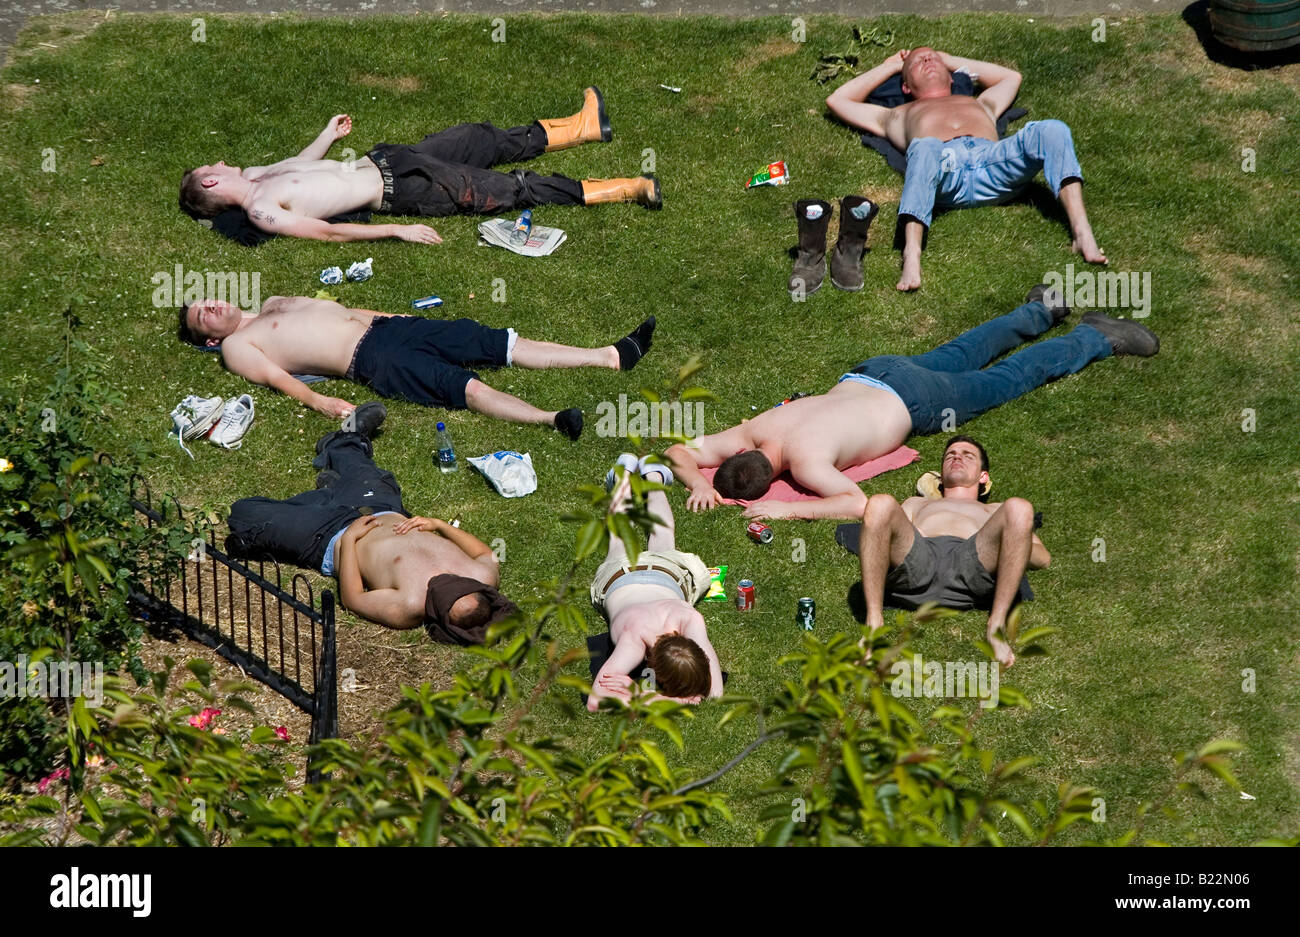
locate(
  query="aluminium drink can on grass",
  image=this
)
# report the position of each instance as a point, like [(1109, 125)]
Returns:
[(759, 532), (745, 597), (805, 614)]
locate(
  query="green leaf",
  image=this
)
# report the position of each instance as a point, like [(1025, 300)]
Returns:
[(656, 758), (696, 393), (92, 807), (853, 767), (1219, 745), (201, 669), (1015, 766), (589, 537)]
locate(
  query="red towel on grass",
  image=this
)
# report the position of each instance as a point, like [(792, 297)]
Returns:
[(786, 488)]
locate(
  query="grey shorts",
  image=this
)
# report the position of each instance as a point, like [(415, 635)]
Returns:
[(946, 570)]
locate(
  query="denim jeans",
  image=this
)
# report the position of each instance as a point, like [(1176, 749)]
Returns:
[(969, 171), (949, 377)]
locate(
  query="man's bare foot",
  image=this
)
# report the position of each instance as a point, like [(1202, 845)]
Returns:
[(1085, 245), (1001, 649), (911, 276)]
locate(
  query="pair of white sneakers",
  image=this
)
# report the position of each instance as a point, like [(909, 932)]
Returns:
[(630, 463), (223, 422)]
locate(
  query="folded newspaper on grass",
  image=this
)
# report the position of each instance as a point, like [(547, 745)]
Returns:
[(541, 240), (510, 473)]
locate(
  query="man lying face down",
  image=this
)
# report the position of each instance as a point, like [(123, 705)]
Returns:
[(399, 570), (649, 603)]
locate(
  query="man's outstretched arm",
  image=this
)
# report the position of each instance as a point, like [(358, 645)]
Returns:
[(276, 220), (848, 101), (251, 363)]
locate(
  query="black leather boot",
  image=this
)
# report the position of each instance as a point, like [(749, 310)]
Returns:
[(856, 215), (814, 216)]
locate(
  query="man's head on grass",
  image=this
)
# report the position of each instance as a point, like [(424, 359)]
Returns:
[(965, 465), (925, 75), (205, 191), (470, 611), (462, 608), (745, 476), (205, 323), (680, 667)]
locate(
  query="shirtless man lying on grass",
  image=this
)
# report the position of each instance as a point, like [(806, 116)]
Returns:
[(955, 550), (403, 357), (395, 569), (446, 173), (885, 399), (650, 603), (954, 156)]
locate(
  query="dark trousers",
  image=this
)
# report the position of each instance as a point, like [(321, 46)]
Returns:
[(448, 173), (950, 376), (297, 529)]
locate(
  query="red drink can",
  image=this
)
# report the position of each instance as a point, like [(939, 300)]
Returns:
[(759, 532), (745, 595)]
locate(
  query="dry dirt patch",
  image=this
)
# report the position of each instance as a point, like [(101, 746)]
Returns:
[(403, 84)]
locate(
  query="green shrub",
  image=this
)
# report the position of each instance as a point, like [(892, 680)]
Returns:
[(70, 541)]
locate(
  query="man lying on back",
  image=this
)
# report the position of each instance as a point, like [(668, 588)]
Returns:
[(395, 569), (403, 357), (446, 173)]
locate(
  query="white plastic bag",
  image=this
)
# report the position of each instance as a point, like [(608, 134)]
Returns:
[(511, 473)]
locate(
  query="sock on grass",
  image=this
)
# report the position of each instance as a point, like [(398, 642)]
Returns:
[(569, 422), (632, 348)]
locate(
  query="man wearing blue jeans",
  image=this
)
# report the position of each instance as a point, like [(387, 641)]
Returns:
[(954, 156), (885, 399)]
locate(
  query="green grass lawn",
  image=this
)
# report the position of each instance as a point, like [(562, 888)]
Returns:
[(1198, 516)]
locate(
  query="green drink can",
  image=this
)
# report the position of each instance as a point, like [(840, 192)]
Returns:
[(806, 614)]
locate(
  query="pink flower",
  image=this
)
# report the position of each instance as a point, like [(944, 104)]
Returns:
[(218, 731), (204, 719), (94, 761), (58, 775), (282, 733)]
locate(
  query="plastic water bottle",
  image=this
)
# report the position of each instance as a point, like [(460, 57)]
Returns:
[(523, 227), (446, 454)]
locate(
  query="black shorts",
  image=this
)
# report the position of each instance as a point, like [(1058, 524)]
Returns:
[(946, 570), (417, 359)]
